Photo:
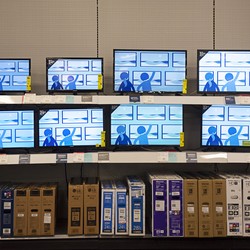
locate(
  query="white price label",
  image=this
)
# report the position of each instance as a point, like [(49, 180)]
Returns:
[(137, 215), (78, 157), (47, 218), (159, 206)]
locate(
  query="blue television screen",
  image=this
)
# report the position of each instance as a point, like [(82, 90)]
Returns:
[(223, 71), (226, 125), (70, 127), (146, 124), (16, 129), (13, 74), (149, 70), (74, 74)]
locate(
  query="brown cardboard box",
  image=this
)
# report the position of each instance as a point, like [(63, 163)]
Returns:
[(91, 206), (21, 210), (190, 205), (205, 199), (48, 211), (34, 210), (75, 206), (219, 207)]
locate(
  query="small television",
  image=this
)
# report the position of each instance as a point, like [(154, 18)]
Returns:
[(146, 125), (70, 127), (15, 74), (17, 128), (225, 125), (74, 74), (223, 71), (147, 71)]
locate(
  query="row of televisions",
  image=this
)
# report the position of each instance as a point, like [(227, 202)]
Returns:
[(142, 71), (130, 126)]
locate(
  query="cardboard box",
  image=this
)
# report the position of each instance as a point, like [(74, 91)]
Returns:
[(190, 205), (21, 210), (205, 207), (121, 208), (34, 210), (91, 206), (75, 206), (107, 208), (48, 211), (136, 190)]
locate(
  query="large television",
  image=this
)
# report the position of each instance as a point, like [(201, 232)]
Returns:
[(146, 71), (146, 125), (74, 74), (15, 75), (225, 125), (17, 128), (70, 127), (223, 71)]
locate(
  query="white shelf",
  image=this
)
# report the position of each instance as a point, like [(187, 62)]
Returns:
[(117, 99), (127, 157)]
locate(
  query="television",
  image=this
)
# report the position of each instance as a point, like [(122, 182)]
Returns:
[(225, 125), (70, 127), (147, 71), (223, 71), (17, 128), (146, 125), (15, 74), (74, 74)]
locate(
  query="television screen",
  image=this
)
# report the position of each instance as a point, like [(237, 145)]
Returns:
[(225, 125), (13, 74), (223, 71), (70, 127), (146, 124), (149, 70), (74, 74), (16, 129)]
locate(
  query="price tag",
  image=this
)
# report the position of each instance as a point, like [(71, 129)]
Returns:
[(134, 99), (88, 158), (29, 98), (3, 159), (191, 157), (243, 100), (24, 159), (172, 157), (61, 158), (100, 77), (229, 99), (163, 157), (70, 99), (182, 139), (78, 157), (148, 99), (103, 156), (47, 99), (60, 98), (87, 98), (184, 86), (28, 83)]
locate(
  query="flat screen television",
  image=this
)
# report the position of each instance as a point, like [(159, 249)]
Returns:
[(70, 127), (17, 128), (74, 74), (223, 71), (13, 74), (146, 125), (146, 71), (225, 125)]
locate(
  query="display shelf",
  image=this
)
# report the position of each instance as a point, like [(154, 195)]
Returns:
[(126, 157), (118, 99)]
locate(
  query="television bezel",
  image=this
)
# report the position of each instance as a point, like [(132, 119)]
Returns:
[(147, 50)]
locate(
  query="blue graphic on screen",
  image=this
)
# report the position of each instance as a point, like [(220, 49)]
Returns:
[(69, 74), (70, 127), (149, 71), (224, 71), (13, 74), (146, 124), (17, 129), (225, 125)]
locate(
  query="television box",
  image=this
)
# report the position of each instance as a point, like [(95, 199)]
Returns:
[(75, 206), (136, 190), (190, 205), (223, 71), (21, 210), (107, 207), (91, 206), (140, 125), (34, 210), (74, 74), (48, 211), (149, 71), (234, 204), (121, 208), (159, 205), (15, 75)]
